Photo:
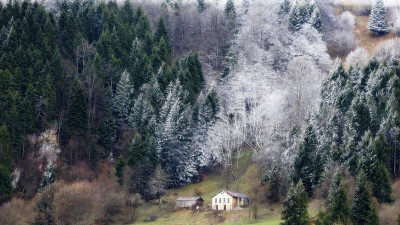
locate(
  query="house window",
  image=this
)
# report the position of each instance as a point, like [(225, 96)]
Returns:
[(219, 200), (228, 200), (216, 200)]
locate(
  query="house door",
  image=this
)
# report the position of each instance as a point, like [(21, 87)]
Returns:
[(216, 207), (224, 207)]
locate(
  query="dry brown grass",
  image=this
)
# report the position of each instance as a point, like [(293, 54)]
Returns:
[(15, 212), (388, 213), (365, 38)]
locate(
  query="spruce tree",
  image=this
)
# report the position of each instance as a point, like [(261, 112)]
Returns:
[(377, 20), (338, 208), (230, 13), (285, 6), (295, 206), (6, 189), (363, 210), (201, 5), (295, 19), (307, 162), (122, 98)]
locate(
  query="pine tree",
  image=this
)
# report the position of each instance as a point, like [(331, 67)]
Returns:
[(285, 6), (122, 102), (48, 176), (295, 206), (363, 210), (6, 189), (162, 34), (307, 162), (174, 137), (230, 13), (76, 123), (141, 113), (201, 5), (338, 208), (230, 61), (377, 20), (119, 170), (295, 18), (158, 184), (315, 20)]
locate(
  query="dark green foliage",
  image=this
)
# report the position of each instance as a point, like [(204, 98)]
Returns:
[(273, 178), (295, 206), (190, 75), (381, 186), (76, 123), (363, 210), (308, 162), (161, 39), (361, 118), (106, 133), (338, 208), (6, 189), (119, 170)]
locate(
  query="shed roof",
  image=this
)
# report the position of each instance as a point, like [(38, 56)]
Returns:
[(189, 199)]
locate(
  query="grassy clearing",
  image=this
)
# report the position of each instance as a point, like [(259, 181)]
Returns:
[(365, 38)]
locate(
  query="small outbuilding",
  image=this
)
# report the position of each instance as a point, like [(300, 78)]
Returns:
[(229, 200), (189, 202)]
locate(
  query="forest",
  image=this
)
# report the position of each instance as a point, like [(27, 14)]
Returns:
[(111, 109)]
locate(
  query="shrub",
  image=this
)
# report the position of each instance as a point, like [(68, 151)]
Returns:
[(388, 50), (359, 55), (342, 42), (14, 212)]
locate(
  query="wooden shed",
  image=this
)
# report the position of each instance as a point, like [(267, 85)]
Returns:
[(189, 202)]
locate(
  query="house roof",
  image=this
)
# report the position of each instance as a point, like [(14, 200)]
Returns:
[(189, 199), (235, 194)]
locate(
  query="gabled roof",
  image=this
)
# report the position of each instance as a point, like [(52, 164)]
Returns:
[(189, 199), (235, 194)]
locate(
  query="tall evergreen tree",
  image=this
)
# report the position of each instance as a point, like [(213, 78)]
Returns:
[(307, 162), (363, 210), (230, 13), (377, 20), (338, 208), (122, 102), (295, 206)]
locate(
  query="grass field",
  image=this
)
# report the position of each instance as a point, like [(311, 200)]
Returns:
[(268, 214)]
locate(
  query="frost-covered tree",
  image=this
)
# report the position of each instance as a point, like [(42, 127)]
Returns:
[(122, 102), (295, 18), (295, 206), (230, 61), (230, 13), (285, 6), (158, 184), (377, 20), (201, 5), (174, 138), (141, 112)]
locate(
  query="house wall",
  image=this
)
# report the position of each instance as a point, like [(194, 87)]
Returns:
[(218, 200)]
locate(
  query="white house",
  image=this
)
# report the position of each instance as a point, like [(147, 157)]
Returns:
[(229, 200)]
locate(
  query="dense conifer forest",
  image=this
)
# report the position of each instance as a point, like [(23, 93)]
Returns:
[(108, 108)]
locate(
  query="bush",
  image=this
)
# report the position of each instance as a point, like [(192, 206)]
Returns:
[(342, 42), (359, 55), (388, 50), (347, 21), (14, 212)]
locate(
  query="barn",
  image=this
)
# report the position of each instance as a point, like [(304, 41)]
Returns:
[(189, 202)]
